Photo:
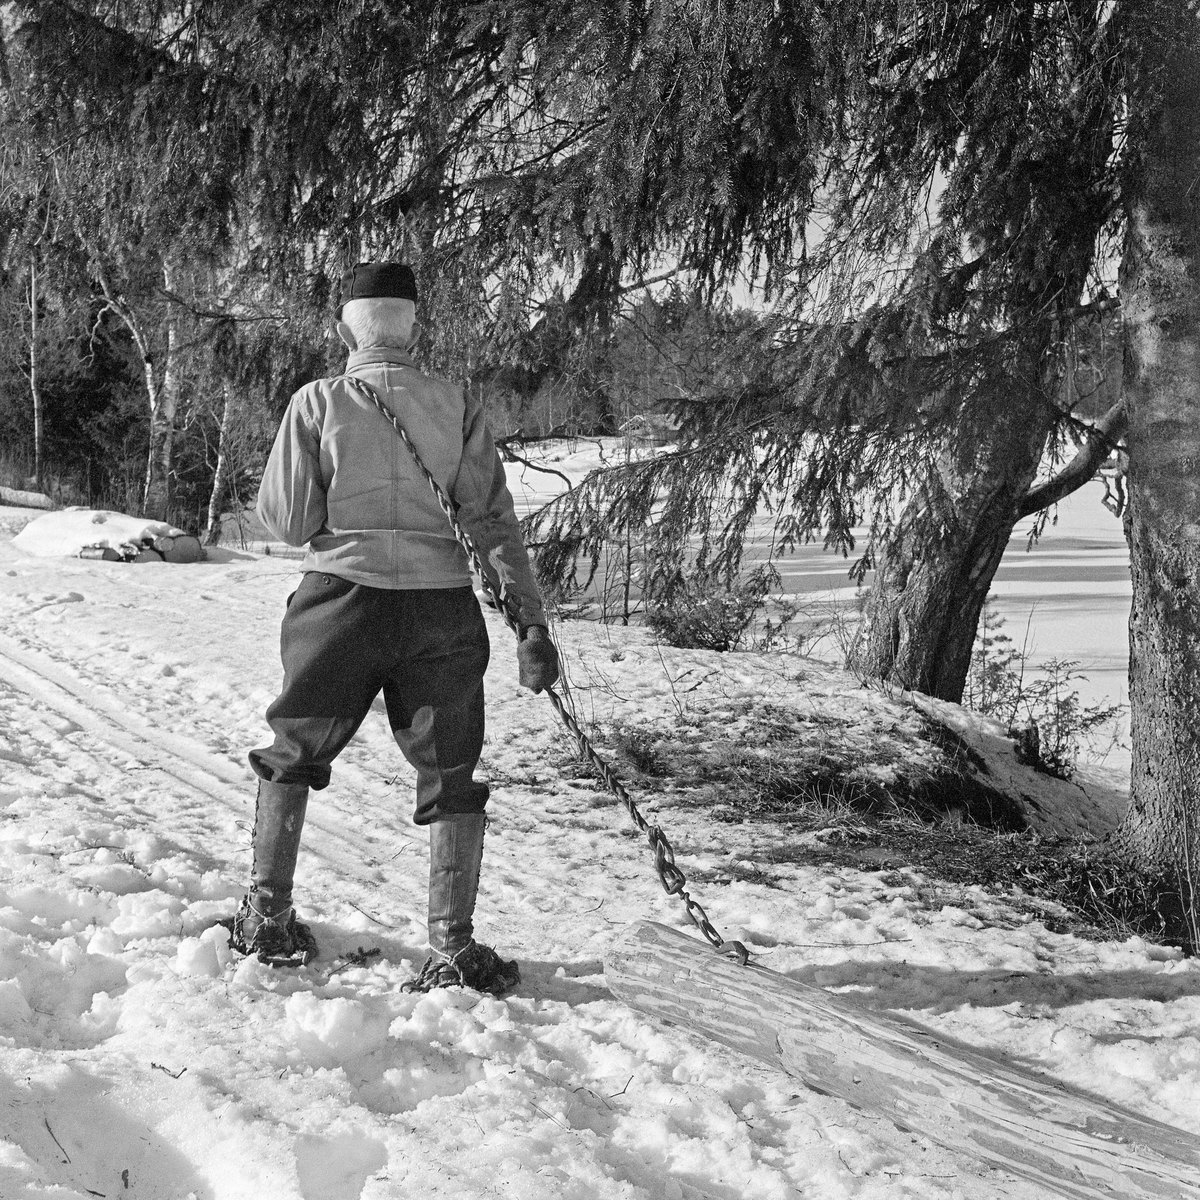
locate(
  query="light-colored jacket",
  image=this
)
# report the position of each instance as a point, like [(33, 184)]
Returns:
[(340, 481)]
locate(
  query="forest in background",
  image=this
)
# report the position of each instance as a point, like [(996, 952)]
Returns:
[(664, 348), (957, 215)]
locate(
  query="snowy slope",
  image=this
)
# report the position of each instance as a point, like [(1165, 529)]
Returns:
[(138, 1060)]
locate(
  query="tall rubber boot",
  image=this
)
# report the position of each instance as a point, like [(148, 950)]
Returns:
[(265, 924), (455, 856), (455, 958), (278, 824)]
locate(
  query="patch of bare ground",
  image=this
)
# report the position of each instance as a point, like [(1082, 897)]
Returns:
[(900, 801)]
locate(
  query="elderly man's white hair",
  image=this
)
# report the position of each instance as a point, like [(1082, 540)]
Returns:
[(380, 321)]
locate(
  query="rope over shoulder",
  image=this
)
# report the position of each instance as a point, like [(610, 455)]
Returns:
[(673, 880)]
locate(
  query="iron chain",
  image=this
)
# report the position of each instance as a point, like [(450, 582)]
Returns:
[(673, 880)]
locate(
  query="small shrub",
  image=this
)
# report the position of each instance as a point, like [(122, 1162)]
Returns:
[(1064, 722), (996, 678), (999, 684), (704, 614), (639, 747), (777, 634)]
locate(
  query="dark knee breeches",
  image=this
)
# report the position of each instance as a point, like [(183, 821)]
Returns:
[(342, 643)]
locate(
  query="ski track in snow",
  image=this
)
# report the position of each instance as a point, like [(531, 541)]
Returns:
[(139, 1059)]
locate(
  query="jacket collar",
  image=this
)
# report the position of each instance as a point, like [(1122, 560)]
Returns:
[(378, 356)]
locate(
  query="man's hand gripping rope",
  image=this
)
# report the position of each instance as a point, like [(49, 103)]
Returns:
[(538, 671)]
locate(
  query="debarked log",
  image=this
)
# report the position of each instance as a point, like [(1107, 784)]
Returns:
[(975, 1102), (20, 499)]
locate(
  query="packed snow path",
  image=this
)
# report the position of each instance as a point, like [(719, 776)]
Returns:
[(137, 1059)]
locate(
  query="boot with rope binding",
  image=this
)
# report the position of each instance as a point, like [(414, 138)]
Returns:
[(455, 958), (265, 923), (278, 940)]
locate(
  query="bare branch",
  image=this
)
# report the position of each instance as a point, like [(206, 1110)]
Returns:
[(511, 455)]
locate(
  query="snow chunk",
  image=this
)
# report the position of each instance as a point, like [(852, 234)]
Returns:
[(206, 955), (105, 942), (14, 1008), (336, 1029), (147, 914), (337, 1168)]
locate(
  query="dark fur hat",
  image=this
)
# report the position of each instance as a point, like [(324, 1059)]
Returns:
[(373, 280)]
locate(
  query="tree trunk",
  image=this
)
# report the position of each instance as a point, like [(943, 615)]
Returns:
[(212, 533), (161, 396), (164, 402), (34, 382), (933, 574), (156, 490), (1160, 293)]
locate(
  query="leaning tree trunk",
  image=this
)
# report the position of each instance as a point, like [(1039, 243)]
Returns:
[(933, 573), (1160, 296)]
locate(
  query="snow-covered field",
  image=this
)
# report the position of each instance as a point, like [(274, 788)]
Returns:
[(137, 1059)]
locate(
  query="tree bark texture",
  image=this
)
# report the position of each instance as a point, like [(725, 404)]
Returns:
[(1160, 296), (933, 574), (212, 533), (164, 403), (35, 385)]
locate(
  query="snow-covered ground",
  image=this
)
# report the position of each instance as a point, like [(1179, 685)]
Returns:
[(137, 1059)]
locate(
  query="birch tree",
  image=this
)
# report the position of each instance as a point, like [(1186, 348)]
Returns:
[(155, 333), (35, 384)]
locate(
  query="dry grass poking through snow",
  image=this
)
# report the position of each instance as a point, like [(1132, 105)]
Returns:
[(879, 783)]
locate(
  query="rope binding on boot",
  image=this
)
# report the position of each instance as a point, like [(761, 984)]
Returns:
[(278, 940), (475, 966)]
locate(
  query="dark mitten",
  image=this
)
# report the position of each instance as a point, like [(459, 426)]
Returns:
[(537, 658)]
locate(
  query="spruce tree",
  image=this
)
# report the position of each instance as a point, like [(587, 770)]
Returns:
[(927, 194)]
